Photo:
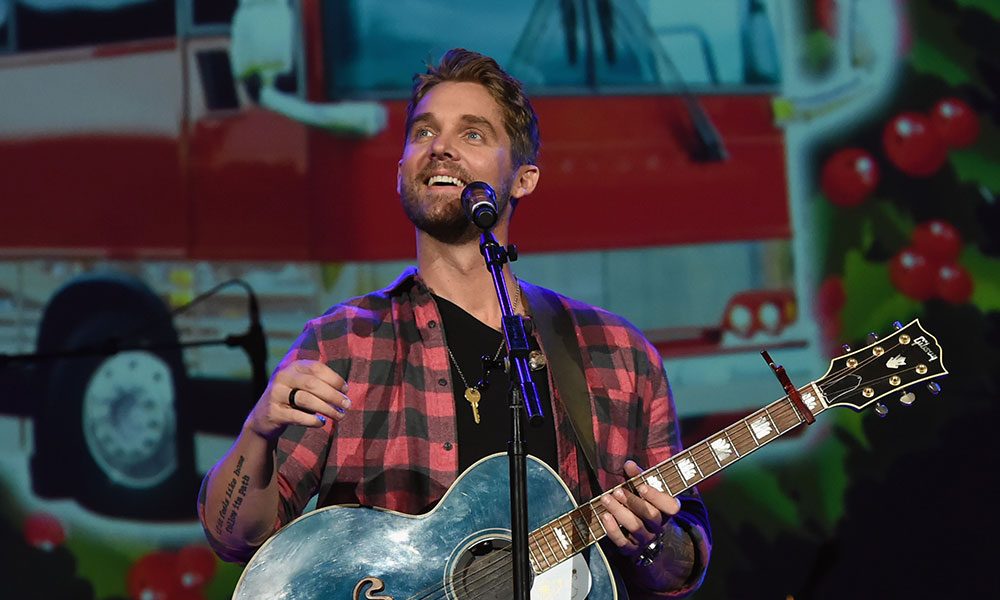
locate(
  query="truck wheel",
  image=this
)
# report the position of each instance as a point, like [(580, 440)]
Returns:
[(112, 430)]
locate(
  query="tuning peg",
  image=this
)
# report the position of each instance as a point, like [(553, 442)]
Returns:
[(846, 347), (907, 399), (897, 325), (872, 337), (881, 409), (933, 388)]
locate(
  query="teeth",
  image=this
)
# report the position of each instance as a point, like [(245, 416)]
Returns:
[(446, 179)]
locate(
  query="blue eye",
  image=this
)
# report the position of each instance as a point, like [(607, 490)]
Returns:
[(475, 135)]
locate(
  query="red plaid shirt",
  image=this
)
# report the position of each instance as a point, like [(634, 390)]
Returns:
[(396, 448)]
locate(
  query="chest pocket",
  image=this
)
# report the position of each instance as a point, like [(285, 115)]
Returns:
[(618, 414)]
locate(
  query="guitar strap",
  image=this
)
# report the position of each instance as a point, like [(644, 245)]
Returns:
[(558, 337)]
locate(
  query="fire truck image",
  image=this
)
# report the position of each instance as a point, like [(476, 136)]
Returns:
[(151, 150)]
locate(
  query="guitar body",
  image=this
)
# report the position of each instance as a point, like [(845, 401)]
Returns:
[(452, 552)]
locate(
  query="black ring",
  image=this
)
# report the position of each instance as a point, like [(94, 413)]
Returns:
[(291, 398)]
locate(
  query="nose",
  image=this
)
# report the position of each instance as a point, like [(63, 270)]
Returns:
[(442, 148)]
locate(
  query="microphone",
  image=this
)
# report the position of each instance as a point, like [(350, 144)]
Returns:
[(479, 202)]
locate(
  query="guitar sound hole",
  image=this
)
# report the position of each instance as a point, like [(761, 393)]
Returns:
[(483, 571)]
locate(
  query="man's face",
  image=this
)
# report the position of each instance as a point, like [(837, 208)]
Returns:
[(457, 137)]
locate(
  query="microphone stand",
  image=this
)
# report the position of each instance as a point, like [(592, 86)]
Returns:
[(523, 396)]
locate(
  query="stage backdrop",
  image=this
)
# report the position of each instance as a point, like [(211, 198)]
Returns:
[(183, 183)]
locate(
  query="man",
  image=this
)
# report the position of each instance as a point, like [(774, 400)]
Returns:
[(372, 404)]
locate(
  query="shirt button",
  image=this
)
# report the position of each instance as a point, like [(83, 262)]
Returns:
[(442, 382), (447, 445), (432, 324)]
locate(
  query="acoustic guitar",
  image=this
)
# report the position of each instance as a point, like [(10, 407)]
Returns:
[(460, 550)]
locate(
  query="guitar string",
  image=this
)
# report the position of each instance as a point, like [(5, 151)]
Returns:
[(778, 414), (497, 568)]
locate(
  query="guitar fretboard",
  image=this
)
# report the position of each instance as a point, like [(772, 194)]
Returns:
[(574, 531)]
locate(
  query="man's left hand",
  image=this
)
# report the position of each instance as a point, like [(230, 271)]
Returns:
[(634, 522)]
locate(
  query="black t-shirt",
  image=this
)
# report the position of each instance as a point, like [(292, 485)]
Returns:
[(469, 339)]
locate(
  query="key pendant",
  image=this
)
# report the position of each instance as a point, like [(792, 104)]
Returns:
[(472, 395)]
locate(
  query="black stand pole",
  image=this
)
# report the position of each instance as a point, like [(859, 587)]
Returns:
[(523, 395)]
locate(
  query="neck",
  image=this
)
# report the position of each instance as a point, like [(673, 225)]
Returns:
[(458, 273)]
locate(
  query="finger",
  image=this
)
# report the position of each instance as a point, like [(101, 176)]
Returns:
[(316, 378), (664, 504), (615, 532), (291, 416), (309, 403), (623, 516), (320, 390), (321, 371), (651, 516)]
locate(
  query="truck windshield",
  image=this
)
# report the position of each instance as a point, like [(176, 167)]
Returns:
[(557, 47)]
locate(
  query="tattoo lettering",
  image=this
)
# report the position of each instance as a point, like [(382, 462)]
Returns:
[(225, 516)]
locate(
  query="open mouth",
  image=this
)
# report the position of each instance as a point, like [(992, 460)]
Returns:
[(444, 181)]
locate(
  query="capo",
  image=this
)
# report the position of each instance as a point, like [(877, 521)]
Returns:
[(791, 390)]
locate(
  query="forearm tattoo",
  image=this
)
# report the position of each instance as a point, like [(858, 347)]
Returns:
[(236, 492), (673, 564)]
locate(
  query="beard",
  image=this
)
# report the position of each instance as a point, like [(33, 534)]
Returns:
[(443, 218)]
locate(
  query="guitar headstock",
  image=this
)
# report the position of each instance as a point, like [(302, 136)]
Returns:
[(908, 356)]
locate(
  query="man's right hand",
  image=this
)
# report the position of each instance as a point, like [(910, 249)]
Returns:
[(320, 394)]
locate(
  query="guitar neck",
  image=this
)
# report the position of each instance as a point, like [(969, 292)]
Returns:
[(576, 530)]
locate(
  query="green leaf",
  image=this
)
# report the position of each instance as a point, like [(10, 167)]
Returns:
[(872, 301), (986, 283)]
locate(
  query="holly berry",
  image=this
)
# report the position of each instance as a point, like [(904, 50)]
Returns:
[(44, 531), (831, 297), (954, 284), (913, 145), (955, 122), (938, 240), (913, 274), (849, 176), (154, 577), (195, 566)]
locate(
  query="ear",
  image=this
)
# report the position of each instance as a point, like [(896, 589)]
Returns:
[(399, 177), (525, 181)]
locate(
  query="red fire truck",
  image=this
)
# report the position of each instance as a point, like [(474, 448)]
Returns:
[(150, 149)]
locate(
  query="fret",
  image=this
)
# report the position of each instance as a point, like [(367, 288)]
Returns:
[(712, 452), (668, 482), (753, 438), (687, 468), (653, 479), (767, 413), (748, 441), (591, 515), (582, 528), (794, 418), (761, 426), (545, 536), (534, 564), (533, 541), (705, 466), (576, 539), (664, 480), (564, 542), (735, 447), (596, 508), (723, 450), (673, 463)]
